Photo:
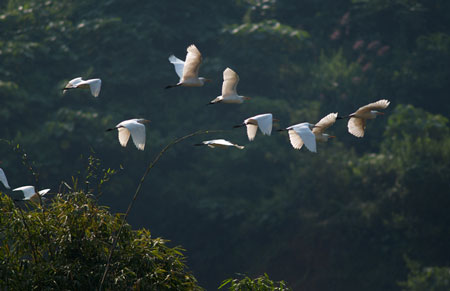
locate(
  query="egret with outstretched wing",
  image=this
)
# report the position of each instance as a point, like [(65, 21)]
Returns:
[(262, 121), (357, 120), (301, 134), (188, 70), (219, 143), (229, 92), (133, 127), (93, 84)]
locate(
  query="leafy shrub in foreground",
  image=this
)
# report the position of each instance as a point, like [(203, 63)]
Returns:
[(262, 283), (65, 246)]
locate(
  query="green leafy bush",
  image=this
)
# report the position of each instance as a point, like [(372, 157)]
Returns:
[(65, 246), (261, 283), (426, 278)]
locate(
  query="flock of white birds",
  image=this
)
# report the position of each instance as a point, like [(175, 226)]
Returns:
[(299, 134)]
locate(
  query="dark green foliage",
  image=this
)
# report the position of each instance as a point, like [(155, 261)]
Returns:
[(64, 246), (262, 283), (426, 278)]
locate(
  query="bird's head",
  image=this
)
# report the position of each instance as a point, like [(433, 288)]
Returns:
[(216, 100)]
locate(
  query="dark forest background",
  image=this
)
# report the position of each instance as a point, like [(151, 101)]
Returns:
[(361, 214)]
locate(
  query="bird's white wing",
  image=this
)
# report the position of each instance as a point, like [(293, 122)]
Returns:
[(178, 64), (74, 82), (324, 123), (124, 136), (94, 85), (3, 179), (217, 143), (192, 62), (295, 139), (251, 131), (307, 136), (230, 81), (356, 126), (221, 143), (43, 192), (380, 104), (28, 191), (137, 131), (265, 122)]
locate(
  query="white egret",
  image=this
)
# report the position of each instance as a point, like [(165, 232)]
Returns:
[(30, 193), (3, 179), (300, 134), (188, 70), (93, 84), (135, 127), (229, 93), (263, 121), (219, 143), (322, 125), (357, 120)]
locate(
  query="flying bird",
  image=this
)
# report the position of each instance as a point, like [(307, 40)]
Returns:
[(219, 143), (263, 121), (3, 179), (30, 193), (229, 93), (93, 84), (357, 120), (188, 70), (135, 127), (300, 134), (322, 125)]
